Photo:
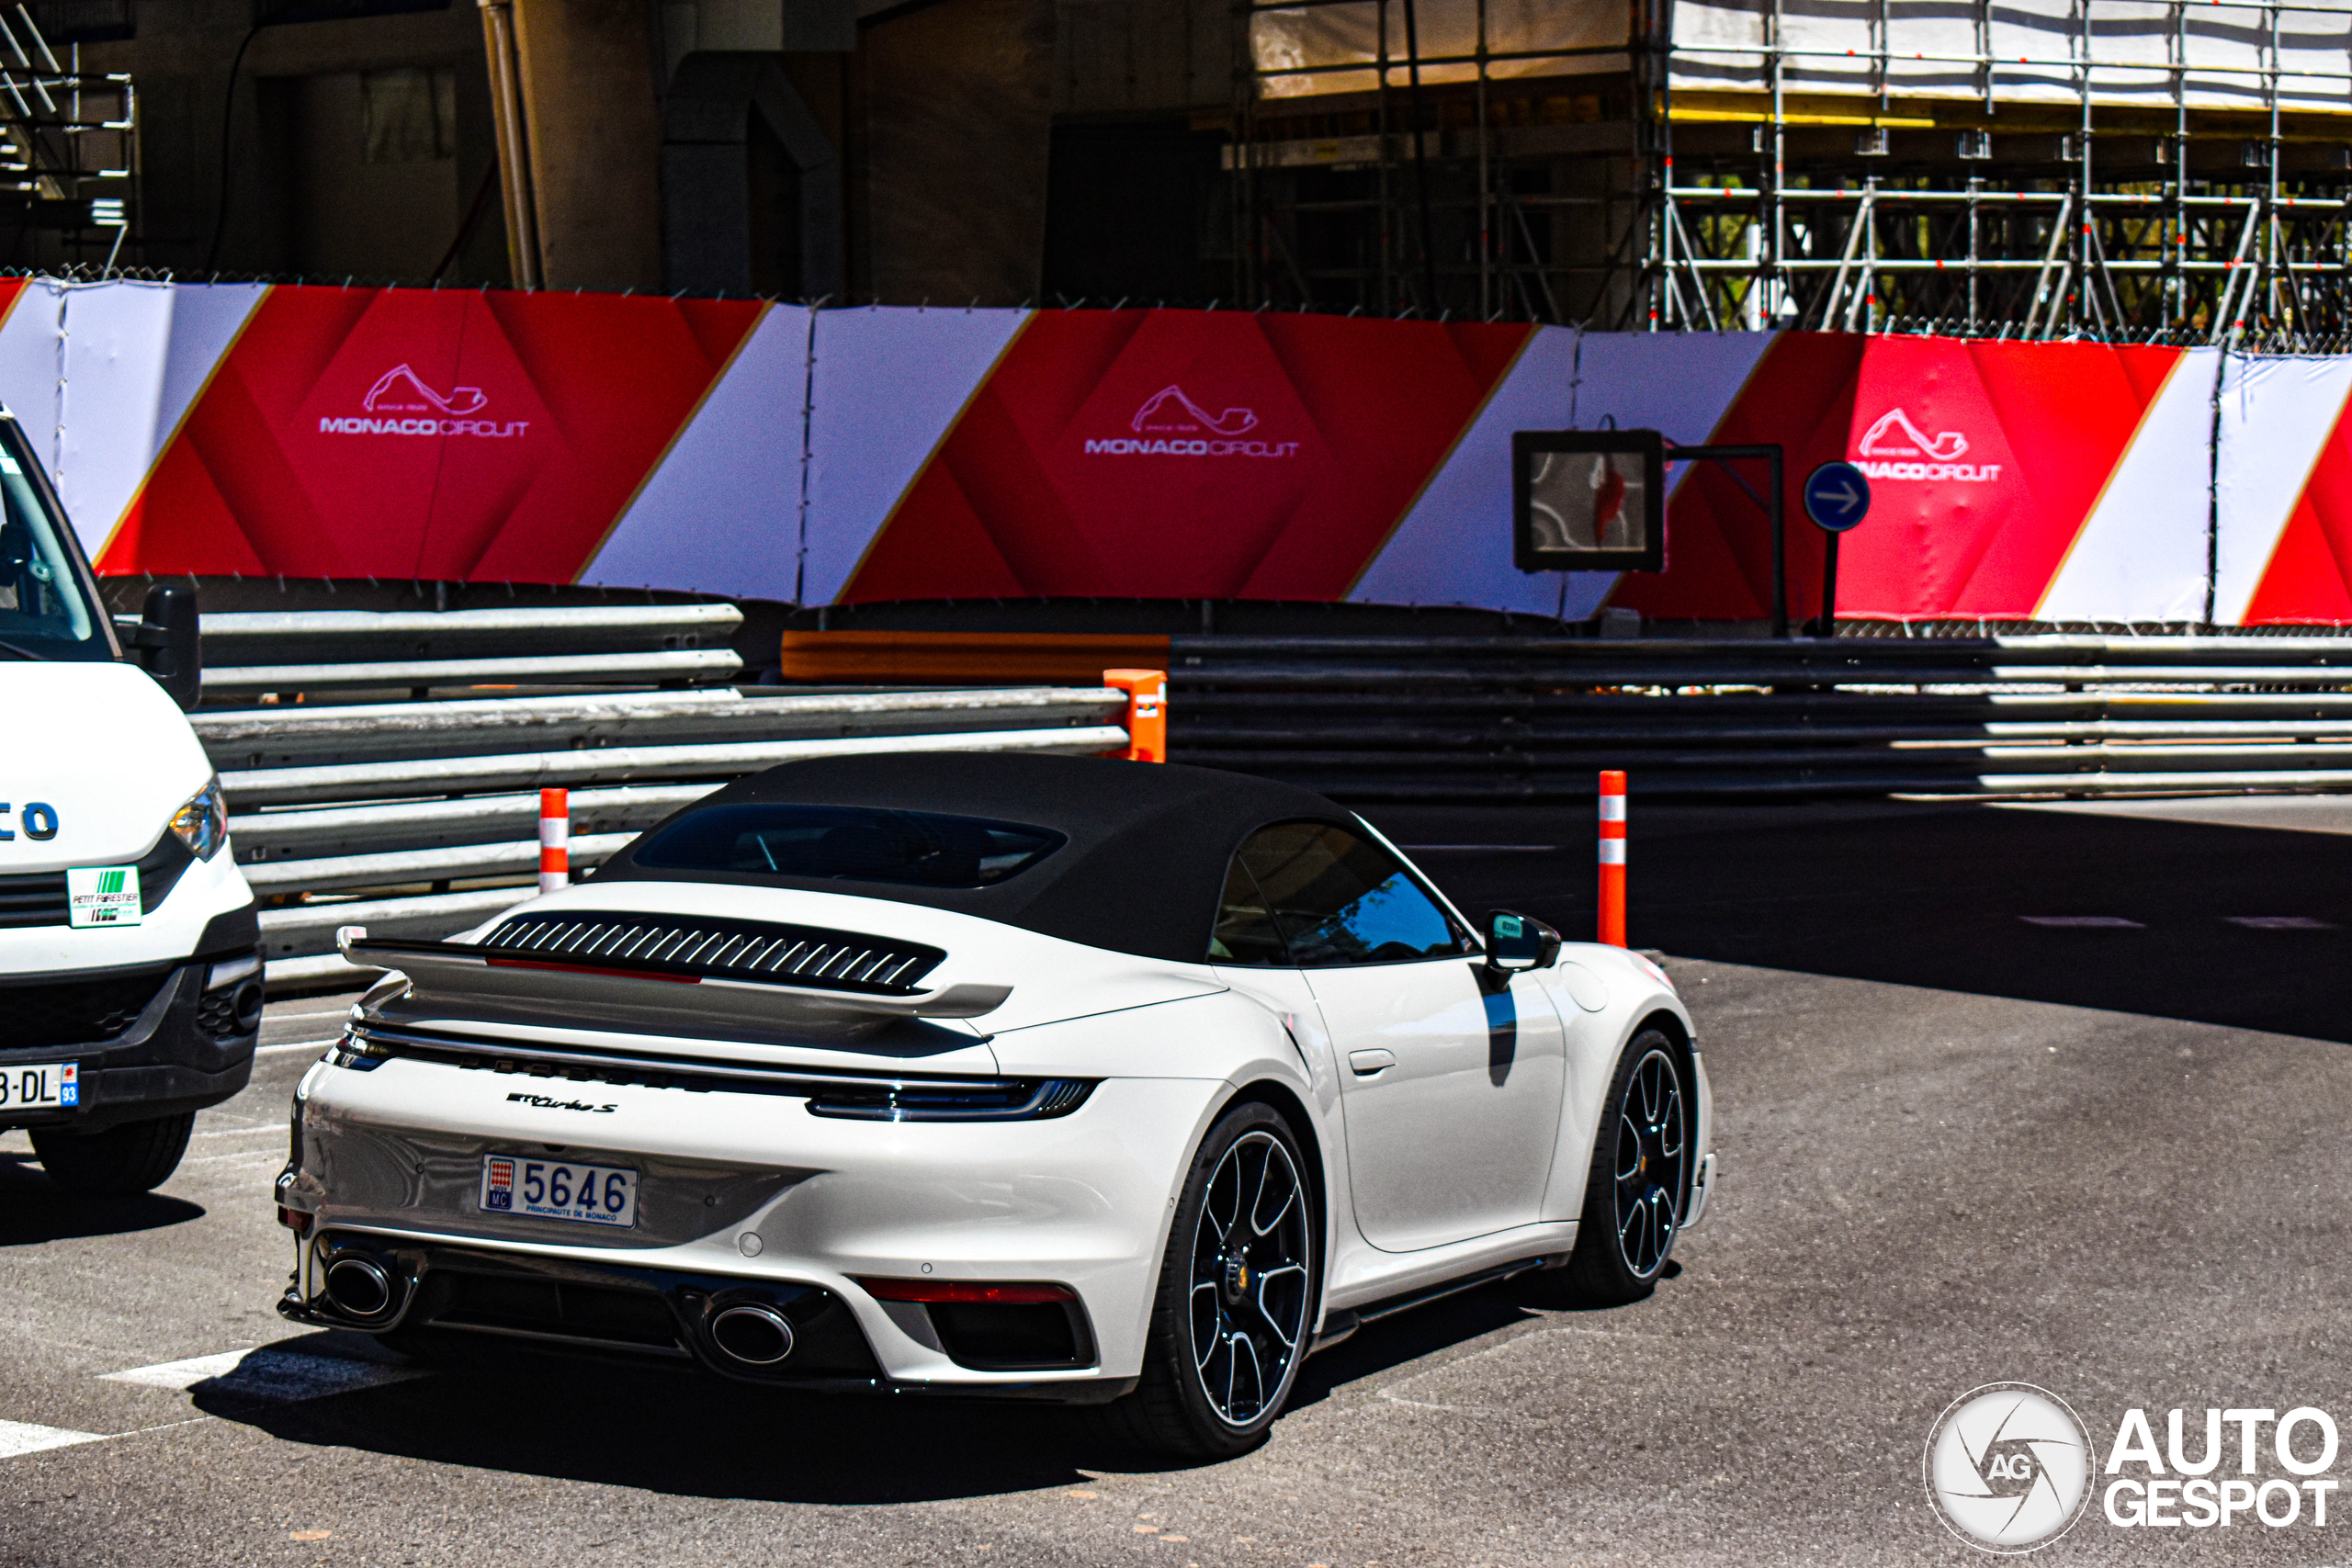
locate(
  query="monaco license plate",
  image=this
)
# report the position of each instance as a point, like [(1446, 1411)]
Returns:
[(52, 1086), (559, 1190)]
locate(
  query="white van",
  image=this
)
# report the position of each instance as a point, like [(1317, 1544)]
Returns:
[(130, 990)]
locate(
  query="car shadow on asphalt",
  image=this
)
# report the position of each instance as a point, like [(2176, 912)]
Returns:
[(2243, 926), (32, 1210), (687, 1433), (692, 1434), (1537, 1296)]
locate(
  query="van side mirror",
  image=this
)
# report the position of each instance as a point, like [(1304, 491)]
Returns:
[(1516, 943), (167, 642)]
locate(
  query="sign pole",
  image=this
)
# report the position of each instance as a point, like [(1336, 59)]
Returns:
[(1829, 587)]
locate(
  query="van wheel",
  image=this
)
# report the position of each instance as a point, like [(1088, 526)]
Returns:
[(122, 1162)]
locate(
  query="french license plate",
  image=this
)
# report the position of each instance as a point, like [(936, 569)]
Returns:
[(52, 1086), (557, 1189)]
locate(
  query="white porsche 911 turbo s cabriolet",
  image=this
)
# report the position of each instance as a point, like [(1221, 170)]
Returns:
[(1111, 1083)]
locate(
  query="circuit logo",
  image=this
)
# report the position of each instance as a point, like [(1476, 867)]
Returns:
[(2008, 1467), (1191, 419), (401, 395), (400, 382), (1893, 437), (1168, 424), (1895, 449)]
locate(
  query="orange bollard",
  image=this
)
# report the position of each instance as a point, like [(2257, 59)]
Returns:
[(1612, 859), (1146, 713), (555, 840)]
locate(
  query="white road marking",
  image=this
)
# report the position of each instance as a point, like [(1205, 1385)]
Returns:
[(271, 1376), (2113, 922), (277, 1128), (297, 1045), (289, 1017), (23, 1438), (2279, 922), (1482, 848)]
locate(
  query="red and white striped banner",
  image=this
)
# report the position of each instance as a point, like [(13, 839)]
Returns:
[(837, 457)]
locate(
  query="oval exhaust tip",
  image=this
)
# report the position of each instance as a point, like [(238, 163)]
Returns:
[(359, 1286), (756, 1336)]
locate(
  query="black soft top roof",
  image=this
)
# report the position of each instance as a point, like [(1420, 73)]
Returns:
[(1148, 846)]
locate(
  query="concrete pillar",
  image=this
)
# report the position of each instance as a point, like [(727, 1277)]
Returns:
[(721, 227), (595, 134), (958, 115)]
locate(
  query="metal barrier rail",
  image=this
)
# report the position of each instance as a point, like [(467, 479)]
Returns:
[(1487, 718), (344, 651), (410, 800), (377, 732), (365, 781), (330, 636), (547, 670)]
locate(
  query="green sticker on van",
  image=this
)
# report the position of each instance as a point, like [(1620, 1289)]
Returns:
[(102, 896)]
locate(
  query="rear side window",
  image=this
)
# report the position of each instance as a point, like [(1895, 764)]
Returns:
[(1245, 933), (848, 843), (1330, 897)]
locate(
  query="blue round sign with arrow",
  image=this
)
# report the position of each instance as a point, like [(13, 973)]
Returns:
[(1837, 496)]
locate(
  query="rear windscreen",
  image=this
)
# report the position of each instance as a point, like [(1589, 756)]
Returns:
[(849, 843)]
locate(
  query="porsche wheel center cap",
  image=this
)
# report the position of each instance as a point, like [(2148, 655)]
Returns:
[(1237, 1278)]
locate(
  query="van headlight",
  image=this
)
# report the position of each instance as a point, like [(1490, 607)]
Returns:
[(203, 823)]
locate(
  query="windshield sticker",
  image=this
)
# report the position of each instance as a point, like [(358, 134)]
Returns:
[(102, 896)]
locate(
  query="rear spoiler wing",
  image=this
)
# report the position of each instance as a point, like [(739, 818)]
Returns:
[(487, 974)]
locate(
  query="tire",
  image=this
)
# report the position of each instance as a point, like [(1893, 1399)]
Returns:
[(122, 1162), (1253, 1306), (1639, 1186)]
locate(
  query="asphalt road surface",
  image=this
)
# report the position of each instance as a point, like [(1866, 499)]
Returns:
[(2052, 1096)]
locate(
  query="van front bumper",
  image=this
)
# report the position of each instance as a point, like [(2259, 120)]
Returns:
[(149, 1040)]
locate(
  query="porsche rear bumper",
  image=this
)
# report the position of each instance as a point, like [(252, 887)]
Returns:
[(742, 1198)]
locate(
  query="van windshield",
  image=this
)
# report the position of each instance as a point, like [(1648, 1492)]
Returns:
[(48, 607)]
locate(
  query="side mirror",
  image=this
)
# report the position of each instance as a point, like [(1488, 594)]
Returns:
[(167, 642), (1516, 942)]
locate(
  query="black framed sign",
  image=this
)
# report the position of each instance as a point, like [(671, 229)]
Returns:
[(1589, 499)]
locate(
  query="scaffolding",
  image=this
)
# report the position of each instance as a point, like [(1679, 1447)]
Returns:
[(68, 147), (2177, 171)]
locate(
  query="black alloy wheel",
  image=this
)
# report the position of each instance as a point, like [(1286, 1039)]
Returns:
[(1235, 1309), (1639, 1184), (1249, 1296)]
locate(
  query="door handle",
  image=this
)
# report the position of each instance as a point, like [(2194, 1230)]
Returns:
[(1371, 1064)]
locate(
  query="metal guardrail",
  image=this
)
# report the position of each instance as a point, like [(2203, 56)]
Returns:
[(374, 732), (314, 834), (419, 818), (545, 769), (1479, 718), (387, 826), (348, 651), (340, 636)]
